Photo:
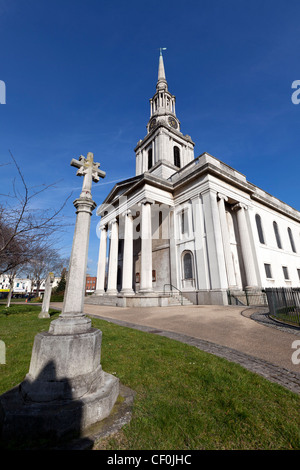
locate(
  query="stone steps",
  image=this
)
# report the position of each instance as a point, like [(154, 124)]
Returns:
[(115, 301), (175, 299), (106, 300)]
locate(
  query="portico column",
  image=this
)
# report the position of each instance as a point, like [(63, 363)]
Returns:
[(101, 261), (215, 251), (200, 251), (226, 242), (127, 254), (113, 258), (146, 248), (251, 278)]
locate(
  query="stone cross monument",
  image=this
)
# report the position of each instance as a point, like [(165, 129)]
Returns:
[(72, 319), (66, 390)]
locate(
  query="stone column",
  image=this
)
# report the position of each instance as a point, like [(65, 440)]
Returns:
[(113, 258), (173, 257), (215, 251), (101, 261), (146, 248), (226, 242), (200, 252), (247, 253), (127, 254), (72, 318)]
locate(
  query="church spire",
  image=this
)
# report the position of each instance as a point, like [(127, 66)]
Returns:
[(163, 102), (164, 149), (161, 82)]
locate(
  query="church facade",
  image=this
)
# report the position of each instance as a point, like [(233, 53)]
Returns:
[(191, 226)]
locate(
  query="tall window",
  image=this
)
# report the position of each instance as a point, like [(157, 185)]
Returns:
[(149, 159), (259, 229), (160, 224), (277, 236), (285, 273), (268, 271), (184, 222), (291, 240), (176, 156), (187, 265)]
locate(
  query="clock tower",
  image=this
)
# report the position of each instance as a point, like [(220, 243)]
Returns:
[(165, 149)]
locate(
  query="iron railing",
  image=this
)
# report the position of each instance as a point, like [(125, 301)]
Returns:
[(284, 304), (247, 297), (171, 291)]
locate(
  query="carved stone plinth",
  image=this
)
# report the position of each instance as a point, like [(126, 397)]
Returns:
[(64, 392)]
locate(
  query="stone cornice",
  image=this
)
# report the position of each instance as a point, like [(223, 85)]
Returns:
[(210, 166), (255, 193)]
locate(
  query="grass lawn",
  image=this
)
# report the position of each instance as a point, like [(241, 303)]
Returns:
[(185, 399)]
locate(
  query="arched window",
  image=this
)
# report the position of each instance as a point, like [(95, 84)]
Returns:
[(187, 265), (259, 229), (176, 156), (277, 236), (149, 159), (291, 240)]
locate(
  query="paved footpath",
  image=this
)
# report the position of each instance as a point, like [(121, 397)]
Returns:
[(242, 335)]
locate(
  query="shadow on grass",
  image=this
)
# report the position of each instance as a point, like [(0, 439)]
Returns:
[(40, 414)]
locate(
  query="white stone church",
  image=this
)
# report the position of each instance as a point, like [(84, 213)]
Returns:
[(191, 226)]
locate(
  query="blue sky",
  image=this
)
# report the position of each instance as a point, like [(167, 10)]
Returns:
[(79, 75)]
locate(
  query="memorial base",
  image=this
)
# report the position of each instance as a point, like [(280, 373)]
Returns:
[(65, 391)]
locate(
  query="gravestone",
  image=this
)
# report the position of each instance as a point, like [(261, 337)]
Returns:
[(2, 352), (65, 390), (44, 313)]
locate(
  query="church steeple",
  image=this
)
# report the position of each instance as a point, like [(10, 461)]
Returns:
[(165, 149), (161, 81), (163, 102)]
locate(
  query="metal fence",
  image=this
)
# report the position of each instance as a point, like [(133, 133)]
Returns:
[(249, 298), (284, 304)]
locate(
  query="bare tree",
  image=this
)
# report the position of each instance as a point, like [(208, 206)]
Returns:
[(24, 230), (15, 250), (11, 277), (47, 260)]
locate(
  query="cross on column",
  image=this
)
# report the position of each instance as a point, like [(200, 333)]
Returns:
[(90, 170)]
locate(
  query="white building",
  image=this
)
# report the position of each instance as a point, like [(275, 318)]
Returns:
[(22, 286), (197, 224)]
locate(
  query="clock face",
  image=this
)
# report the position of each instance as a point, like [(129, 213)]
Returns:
[(152, 124), (173, 122)]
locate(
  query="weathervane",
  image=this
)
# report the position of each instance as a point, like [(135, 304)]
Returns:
[(162, 49)]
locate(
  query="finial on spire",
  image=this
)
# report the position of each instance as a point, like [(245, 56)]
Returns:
[(162, 49)]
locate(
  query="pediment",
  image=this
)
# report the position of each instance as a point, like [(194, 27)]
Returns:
[(121, 188)]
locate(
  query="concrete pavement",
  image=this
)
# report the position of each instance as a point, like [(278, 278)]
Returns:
[(229, 332)]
